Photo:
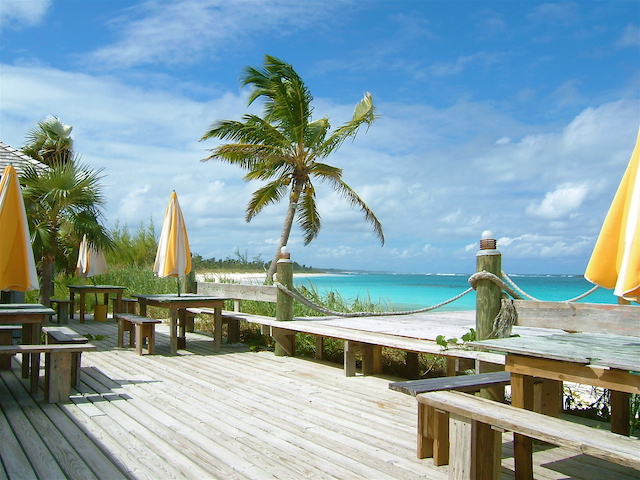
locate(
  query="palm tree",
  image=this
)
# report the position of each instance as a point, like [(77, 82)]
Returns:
[(63, 203), (285, 146), (50, 139)]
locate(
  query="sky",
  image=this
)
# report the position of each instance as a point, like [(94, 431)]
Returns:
[(517, 117)]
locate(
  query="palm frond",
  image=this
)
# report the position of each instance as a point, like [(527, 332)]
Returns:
[(271, 193), (308, 216), (352, 197)]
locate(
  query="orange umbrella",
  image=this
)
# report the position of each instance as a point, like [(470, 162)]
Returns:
[(173, 258), (615, 261), (91, 261), (17, 266)]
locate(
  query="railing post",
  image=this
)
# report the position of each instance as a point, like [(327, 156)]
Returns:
[(488, 294), (488, 302), (285, 339)]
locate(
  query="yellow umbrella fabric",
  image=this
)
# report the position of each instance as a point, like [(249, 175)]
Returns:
[(17, 266), (91, 261), (615, 261), (173, 258)]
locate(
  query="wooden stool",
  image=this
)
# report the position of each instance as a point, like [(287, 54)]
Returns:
[(62, 309), (66, 336), (144, 328)]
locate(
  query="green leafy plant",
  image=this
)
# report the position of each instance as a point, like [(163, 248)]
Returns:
[(444, 342)]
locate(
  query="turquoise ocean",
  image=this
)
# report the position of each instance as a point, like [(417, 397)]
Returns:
[(414, 291)]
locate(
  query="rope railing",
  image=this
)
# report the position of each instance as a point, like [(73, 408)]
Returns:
[(509, 286)]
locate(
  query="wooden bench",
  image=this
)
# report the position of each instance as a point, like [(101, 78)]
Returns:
[(232, 321), (461, 383), (475, 426), (6, 338), (58, 366), (128, 305), (61, 308), (66, 336), (139, 328), (369, 343)]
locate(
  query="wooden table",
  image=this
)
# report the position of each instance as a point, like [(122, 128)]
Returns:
[(599, 360), (31, 316), (177, 305), (105, 290)]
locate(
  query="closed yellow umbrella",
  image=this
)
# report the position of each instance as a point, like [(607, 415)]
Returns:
[(173, 258), (17, 266), (91, 261), (615, 261)]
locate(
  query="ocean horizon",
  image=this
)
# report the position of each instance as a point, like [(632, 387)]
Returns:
[(401, 291)]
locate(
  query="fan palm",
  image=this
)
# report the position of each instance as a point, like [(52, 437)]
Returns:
[(50, 140), (63, 203), (285, 147)]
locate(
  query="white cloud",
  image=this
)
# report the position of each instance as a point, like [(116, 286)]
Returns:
[(630, 37), (559, 204), (185, 31), (16, 14)]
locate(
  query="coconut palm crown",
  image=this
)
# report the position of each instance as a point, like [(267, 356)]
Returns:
[(285, 146)]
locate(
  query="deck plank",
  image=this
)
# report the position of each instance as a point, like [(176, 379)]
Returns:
[(241, 415)]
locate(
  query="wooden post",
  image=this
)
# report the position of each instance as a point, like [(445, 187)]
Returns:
[(488, 259), (488, 302), (285, 343)]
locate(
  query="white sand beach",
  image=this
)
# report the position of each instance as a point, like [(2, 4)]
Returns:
[(244, 277)]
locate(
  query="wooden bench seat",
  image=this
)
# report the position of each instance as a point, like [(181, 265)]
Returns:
[(61, 307), (460, 383), (66, 336), (58, 366), (475, 426), (139, 328)]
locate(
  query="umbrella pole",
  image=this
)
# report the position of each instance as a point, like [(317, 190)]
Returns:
[(178, 282)]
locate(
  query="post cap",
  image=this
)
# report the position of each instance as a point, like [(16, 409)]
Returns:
[(487, 241), (284, 252)]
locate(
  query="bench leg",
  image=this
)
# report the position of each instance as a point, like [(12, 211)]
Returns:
[(6, 338), (63, 312), (319, 347), (473, 450), (57, 377), (350, 348), (371, 359), (233, 332), (121, 333), (620, 412), (76, 364), (151, 338), (139, 335), (522, 397)]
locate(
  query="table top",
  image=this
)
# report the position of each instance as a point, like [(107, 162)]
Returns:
[(13, 309), (595, 349), (182, 298), (96, 287)]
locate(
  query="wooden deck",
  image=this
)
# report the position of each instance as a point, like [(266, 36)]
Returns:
[(233, 415)]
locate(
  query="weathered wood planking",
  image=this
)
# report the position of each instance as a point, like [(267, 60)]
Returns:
[(606, 351), (249, 415), (580, 317)]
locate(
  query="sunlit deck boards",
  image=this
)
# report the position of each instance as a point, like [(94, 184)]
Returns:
[(232, 415)]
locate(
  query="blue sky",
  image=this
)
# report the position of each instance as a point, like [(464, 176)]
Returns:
[(514, 116)]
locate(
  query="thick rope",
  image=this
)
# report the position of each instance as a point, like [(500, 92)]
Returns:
[(305, 301), (524, 294), (505, 319)]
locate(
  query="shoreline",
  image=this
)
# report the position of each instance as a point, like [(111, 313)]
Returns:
[(246, 277)]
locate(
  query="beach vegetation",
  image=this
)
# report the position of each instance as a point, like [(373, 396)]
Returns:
[(285, 148), (63, 203)]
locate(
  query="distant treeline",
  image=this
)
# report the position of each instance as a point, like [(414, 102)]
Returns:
[(241, 263)]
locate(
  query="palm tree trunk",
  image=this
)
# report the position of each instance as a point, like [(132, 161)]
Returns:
[(45, 281), (286, 231)]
